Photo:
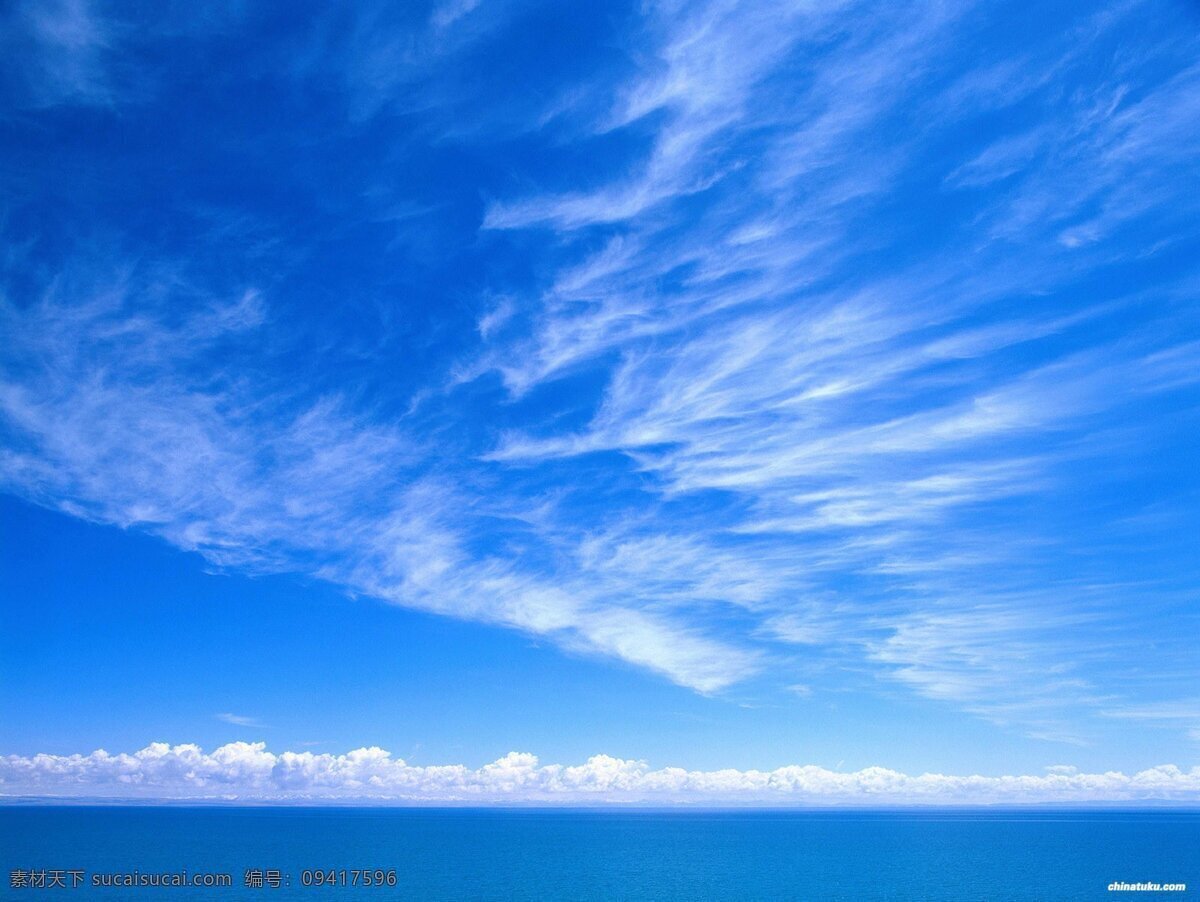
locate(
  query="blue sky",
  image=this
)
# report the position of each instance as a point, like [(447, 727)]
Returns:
[(717, 385)]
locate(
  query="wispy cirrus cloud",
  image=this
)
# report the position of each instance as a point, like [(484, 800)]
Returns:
[(62, 51), (133, 427), (239, 720), (754, 345), (1187, 709)]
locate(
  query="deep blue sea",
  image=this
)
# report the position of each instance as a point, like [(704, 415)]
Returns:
[(556, 854)]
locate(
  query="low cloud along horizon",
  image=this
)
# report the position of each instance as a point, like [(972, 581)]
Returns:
[(249, 772)]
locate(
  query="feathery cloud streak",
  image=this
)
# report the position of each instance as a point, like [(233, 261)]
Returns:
[(765, 339)]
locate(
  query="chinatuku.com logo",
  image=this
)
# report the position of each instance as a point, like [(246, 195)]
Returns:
[(1118, 886)]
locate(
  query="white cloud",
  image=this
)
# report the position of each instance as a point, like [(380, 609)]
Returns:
[(874, 423), (239, 720), (116, 426), (446, 14), (1169, 710), (64, 50), (243, 771), (1065, 770)]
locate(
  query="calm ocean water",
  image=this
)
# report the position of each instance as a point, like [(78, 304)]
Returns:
[(540, 854)]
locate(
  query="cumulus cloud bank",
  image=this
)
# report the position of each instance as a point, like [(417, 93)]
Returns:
[(243, 771)]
